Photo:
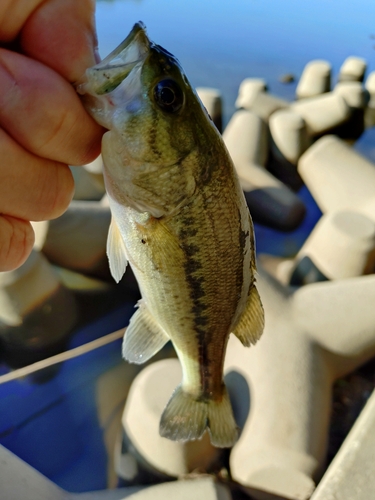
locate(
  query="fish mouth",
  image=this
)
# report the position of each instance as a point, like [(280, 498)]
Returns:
[(105, 76)]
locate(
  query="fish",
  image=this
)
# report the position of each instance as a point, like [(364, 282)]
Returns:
[(179, 218)]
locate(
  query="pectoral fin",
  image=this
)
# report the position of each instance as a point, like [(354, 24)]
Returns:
[(143, 337), (251, 323), (116, 252)]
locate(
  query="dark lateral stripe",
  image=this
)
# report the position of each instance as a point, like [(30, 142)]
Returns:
[(243, 238), (195, 283)]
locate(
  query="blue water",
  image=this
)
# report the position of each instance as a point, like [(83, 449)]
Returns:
[(221, 43)]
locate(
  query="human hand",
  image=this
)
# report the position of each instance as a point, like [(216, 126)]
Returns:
[(45, 46)]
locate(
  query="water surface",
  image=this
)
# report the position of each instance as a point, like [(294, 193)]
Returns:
[(221, 43)]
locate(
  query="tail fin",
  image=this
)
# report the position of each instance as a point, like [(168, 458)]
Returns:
[(185, 419)]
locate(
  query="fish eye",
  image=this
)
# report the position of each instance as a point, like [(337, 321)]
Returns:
[(168, 95)]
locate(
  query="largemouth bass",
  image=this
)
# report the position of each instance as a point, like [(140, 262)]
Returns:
[(180, 219)]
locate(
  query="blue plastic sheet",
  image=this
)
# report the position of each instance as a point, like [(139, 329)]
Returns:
[(54, 425)]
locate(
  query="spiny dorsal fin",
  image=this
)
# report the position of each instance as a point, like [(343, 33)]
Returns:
[(251, 323), (143, 337), (116, 252)]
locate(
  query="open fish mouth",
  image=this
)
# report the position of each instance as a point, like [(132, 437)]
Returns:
[(105, 76)]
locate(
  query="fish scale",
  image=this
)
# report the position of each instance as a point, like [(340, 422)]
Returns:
[(180, 219)]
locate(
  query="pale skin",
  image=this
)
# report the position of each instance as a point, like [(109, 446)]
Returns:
[(45, 46)]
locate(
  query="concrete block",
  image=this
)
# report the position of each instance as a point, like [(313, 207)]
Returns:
[(280, 268), (351, 473), (87, 185), (289, 135), (353, 69), (357, 98), (112, 388), (370, 87), (148, 396), (204, 488), (115, 494), (252, 96), (37, 312), (288, 140), (269, 200), (96, 166), (20, 481), (342, 245), (338, 177), (264, 104), (322, 113), (354, 93), (315, 79), (276, 207), (370, 115), (307, 344), (213, 102), (77, 239), (249, 88), (246, 138)]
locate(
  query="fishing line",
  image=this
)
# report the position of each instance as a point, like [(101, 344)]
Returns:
[(63, 356)]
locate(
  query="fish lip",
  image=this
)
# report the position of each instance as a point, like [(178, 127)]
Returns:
[(107, 75)]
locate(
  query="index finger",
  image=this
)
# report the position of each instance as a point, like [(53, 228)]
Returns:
[(59, 33)]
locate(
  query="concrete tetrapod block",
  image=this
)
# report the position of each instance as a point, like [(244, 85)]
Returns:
[(77, 239), (322, 113), (280, 268), (36, 311), (338, 177), (289, 135), (213, 102), (355, 95), (315, 79), (370, 110), (312, 336), (247, 141), (148, 396), (357, 98), (352, 69), (264, 104), (249, 88), (96, 166), (95, 169), (20, 481), (87, 185), (342, 245), (204, 488), (269, 200), (370, 87), (351, 473)]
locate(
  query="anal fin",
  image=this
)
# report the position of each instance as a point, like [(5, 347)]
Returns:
[(251, 323), (116, 252), (143, 337)]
